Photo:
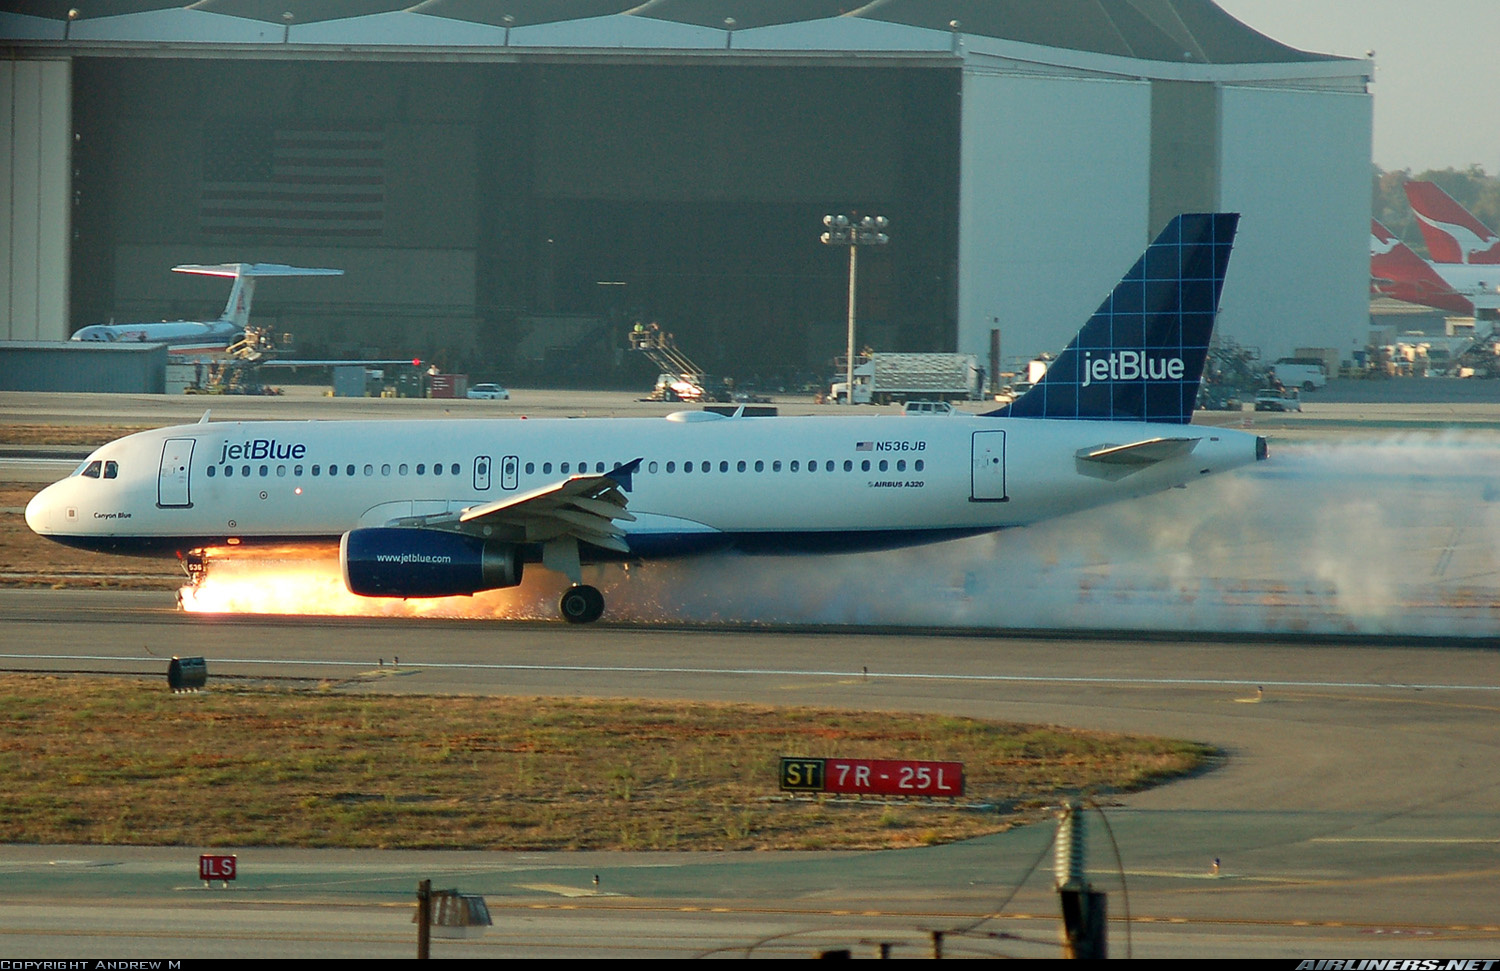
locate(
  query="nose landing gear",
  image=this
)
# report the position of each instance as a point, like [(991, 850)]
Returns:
[(582, 604), (194, 564)]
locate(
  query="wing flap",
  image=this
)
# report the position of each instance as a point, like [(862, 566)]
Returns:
[(603, 507)]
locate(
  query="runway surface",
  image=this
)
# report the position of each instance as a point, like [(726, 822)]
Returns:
[(1354, 815)]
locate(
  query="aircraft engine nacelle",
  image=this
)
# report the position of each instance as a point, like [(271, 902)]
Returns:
[(395, 562)]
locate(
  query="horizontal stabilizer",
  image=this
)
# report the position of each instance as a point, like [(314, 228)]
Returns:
[(254, 269), (1145, 452)]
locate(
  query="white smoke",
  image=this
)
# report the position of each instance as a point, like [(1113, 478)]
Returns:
[(1396, 536)]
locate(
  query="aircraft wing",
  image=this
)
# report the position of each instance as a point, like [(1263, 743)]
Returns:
[(584, 507)]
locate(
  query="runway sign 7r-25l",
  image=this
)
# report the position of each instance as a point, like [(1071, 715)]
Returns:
[(873, 777)]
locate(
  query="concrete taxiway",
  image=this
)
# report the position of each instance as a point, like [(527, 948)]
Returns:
[(1354, 814)]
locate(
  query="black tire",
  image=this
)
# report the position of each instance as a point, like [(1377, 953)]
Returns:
[(582, 604), (1309, 386)]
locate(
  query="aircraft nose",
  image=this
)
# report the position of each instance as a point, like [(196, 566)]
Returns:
[(39, 513)]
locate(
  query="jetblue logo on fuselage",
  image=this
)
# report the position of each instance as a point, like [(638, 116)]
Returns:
[(262, 448), (1130, 366)]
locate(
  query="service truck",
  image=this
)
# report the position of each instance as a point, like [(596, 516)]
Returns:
[(888, 377)]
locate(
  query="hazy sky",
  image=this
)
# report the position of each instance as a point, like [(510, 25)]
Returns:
[(1437, 88)]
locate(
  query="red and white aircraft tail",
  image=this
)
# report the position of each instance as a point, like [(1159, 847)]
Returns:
[(1453, 234), (237, 310), (1396, 271)]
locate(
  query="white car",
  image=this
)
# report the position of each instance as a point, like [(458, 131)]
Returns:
[(491, 391), (929, 408), (1273, 399)]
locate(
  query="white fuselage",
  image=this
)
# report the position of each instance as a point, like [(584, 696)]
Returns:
[(1478, 283), (180, 336), (776, 483)]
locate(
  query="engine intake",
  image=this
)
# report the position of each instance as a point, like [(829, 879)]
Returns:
[(394, 562)]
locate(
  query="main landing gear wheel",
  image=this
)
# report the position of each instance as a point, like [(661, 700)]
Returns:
[(582, 604)]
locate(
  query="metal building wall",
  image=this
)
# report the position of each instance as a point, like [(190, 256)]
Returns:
[(83, 366), (36, 100), (1185, 148), (1296, 165), (1053, 204)]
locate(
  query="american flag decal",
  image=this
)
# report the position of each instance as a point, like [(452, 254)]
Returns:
[(864, 446), (263, 180)]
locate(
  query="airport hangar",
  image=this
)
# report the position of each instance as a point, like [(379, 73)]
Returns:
[(510, 185)]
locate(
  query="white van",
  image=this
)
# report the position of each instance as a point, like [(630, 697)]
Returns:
[(1306, 373)]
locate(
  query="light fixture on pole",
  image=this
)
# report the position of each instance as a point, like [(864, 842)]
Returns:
[(854, 233)]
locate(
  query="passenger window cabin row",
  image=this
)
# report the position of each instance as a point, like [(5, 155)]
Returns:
[(778, 465), (245, 471), (760, 465)]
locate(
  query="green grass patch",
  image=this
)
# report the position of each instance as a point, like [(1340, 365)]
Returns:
[(121, 760)]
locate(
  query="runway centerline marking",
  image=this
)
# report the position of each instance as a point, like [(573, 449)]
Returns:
[(861, 676)]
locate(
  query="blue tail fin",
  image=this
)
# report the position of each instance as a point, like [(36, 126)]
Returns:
[(1140, 357)]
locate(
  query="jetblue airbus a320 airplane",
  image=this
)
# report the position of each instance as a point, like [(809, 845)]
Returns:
[(441, 508)]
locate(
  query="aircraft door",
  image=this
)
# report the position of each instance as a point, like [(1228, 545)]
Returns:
[(172, 487), (509, 472), (988, 477), (481, 473)]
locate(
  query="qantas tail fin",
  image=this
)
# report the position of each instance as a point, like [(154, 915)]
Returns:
[(237, 311), (1396, 271), (1453, 234), (1140, 356)]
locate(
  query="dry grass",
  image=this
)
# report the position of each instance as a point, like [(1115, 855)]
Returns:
[(121, 760), (84, 436)]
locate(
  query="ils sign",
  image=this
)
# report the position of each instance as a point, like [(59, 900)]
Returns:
[(214, 867), (876, 777)]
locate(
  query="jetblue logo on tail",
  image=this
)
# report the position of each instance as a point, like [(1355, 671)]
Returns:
[(1131, 366)]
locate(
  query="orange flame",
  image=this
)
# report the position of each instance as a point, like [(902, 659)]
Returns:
[(307, 580)]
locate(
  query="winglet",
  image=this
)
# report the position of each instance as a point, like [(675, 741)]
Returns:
[(621, 475)]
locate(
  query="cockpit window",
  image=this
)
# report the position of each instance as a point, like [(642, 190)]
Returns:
[(111, 470), (92, 469)]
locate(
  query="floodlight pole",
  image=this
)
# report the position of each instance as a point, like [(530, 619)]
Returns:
[(849, 356), (854, 233)]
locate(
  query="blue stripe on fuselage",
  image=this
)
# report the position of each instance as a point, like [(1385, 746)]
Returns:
[(645, 546)]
